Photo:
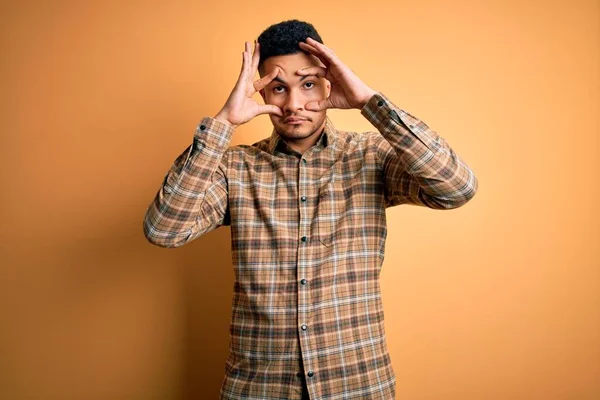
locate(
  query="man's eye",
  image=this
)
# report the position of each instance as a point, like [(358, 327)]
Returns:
[(281, 89)]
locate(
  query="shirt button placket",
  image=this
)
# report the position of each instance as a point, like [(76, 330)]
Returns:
[(304, 187)]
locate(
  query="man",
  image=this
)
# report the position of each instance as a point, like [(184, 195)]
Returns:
[(306, 208)]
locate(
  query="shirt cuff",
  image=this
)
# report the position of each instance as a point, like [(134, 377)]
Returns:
[(387, 117), (212, 133)]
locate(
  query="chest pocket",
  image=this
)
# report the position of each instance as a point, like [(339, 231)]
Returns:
[(338, 211)]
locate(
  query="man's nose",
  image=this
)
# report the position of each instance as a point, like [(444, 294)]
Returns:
[(294, 102)]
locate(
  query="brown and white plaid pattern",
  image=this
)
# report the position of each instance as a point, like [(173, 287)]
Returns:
[(308, 236)]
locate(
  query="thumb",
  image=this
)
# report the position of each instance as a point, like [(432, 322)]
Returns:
[(269, 109), (318, 105)]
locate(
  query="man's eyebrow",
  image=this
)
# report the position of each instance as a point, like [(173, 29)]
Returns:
[(278, 79)]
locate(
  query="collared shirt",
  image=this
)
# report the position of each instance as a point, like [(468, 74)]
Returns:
[(308, 238)]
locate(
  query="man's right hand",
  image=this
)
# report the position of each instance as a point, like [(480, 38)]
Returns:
[(240, 106)]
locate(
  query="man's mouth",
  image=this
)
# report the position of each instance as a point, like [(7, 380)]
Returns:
[(294, 121)]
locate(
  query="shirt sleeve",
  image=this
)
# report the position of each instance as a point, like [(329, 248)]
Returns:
[(418, 165), (193, 198)]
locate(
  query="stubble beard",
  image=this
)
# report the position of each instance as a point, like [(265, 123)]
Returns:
[(299, 132)]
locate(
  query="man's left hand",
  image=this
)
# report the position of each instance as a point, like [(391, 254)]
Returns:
[(347, 90)]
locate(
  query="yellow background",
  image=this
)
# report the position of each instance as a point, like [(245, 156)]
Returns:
[(499, 299)]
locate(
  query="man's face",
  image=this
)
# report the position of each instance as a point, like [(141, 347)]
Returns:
[(290, 92)]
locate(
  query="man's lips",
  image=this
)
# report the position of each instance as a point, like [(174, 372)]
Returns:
[(291, 120)]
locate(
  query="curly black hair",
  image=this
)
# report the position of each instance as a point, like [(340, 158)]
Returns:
[(283, 38)]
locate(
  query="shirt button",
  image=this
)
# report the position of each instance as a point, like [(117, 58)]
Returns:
[(299, 374), (310, 373), (380, 103), (304, 327), (303, 281), (303, 198), (304, 160), (303, 238), (202, 127)]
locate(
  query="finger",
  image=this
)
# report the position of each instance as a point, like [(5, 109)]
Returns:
[(265, 80), (244, 71), (307, 46), (248, 50), (323, 50), (319, 46), (269, 109), (311, 49), (315, 53), (255, 57), (316, 70), (318, 105), (247, 61), (243, 62)]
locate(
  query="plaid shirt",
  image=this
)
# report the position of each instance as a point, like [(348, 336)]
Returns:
[(308, 236)]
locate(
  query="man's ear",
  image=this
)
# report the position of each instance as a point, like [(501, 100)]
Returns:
[(328, 87), (262, 94)]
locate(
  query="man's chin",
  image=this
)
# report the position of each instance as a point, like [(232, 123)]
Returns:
[(294, 131)]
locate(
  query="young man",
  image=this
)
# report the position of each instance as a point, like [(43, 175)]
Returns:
[(306, 208)]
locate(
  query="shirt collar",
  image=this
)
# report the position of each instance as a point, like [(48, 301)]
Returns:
[(326, 139)]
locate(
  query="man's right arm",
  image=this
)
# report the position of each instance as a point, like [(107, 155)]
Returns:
[(193, 199)]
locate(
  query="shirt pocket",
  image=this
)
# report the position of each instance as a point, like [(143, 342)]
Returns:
[(332, 213)]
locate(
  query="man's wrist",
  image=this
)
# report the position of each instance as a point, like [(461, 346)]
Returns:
[(366, 99), (223, 119)]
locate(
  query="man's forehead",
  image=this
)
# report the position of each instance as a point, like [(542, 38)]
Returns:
[(290, 63)]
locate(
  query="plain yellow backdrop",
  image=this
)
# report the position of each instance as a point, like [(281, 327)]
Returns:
[(499, 299)]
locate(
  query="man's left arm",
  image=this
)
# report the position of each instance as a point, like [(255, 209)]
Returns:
[(418, 165)]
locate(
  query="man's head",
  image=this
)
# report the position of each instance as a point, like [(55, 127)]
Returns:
[(289, 91)]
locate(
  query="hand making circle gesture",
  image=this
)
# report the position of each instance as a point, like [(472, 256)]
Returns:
[(347, 90), (240, 107)]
